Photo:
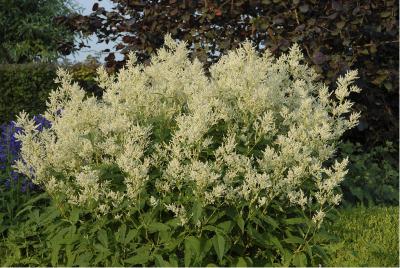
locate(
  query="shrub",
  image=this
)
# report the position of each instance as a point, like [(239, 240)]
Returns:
[(26, 86), (230, 169), (367, 237), (373, 176)]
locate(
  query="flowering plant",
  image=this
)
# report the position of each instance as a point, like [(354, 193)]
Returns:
[(9, 153), (237, 162)]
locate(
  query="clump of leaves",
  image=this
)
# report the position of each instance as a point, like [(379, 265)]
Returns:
[(373, 176)]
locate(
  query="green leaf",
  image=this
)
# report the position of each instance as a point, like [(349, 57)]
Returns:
[(58, 239), (37, 198), (120, 234), (287, 257), (74, 216), (172, 244), (240, 222), (173, 260), (275, 241), (101, 248), (300, 259), (241, 262), (175, 222), (210, 228), (216, 217), (226, 226), (321, 252), (54, 254), (100, 256), (70, 255), (294, 240), (143, 255), (192, 247), (197, 210), (262, 241), (138, 259), (83, 259), (131, 234), (71, 237), (102, 236), (206, 245), (219, 245), (270, 220), (23, 210), (309, 251), (158, 227), (323, 237), (160, 262)]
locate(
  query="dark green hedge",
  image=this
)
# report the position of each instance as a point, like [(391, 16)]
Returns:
[(26, 86)]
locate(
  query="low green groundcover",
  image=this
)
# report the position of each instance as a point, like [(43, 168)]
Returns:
[(367, 237)]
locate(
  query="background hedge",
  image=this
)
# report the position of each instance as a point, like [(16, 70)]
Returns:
[(26, 86)]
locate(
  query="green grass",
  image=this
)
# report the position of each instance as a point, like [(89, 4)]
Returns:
[(367, 237)]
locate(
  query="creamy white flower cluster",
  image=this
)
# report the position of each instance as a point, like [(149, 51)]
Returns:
[(257, 129)]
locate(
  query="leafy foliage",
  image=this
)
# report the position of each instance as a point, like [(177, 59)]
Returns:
[(373, 176), (366, 237), (336, 36), (41, 236), (193, 170), (28, 32), (26, 86)]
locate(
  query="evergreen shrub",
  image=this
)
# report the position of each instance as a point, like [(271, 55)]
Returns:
[(24, 87), (27, 86)]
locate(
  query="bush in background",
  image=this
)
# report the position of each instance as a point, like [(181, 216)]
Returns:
[(373, 176), (24, 87), (27, 86), (28, 32)]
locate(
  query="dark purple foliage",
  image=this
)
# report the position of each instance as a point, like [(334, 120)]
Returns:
[(9, 152)]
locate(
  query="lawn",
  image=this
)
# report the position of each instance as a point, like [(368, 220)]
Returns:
[(367, 237)]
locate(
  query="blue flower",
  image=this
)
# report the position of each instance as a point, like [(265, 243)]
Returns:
[(10, 151)]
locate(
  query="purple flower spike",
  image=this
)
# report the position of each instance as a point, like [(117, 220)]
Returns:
[(10, 151)]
